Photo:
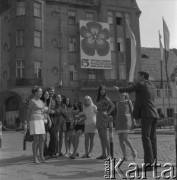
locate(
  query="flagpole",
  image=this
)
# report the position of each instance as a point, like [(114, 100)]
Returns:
[(166, 59), (162, 88), (161, 66)]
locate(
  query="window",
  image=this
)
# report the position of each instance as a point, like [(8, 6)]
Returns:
[(20, 37), (122, 71), (20, 69), (37, 38), (112, 43), (72, 44), (120, 44), (118, 18), (37, 69), (20, 8), (168, 91), (110, 17), (73, 73), (158, 91), (71, 17), (92, 74), (37, 9), (89, 17)]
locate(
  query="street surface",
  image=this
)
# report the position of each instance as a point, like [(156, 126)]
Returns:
[(16, 164)]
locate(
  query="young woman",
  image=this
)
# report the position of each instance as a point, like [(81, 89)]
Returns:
[(79, 126), (89, 111), (60, 121), (104, 108), (124, 124), (69, 125), (47, 120), (35, 118)]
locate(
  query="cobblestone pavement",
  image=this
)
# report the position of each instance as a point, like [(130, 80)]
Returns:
[(17, 164)]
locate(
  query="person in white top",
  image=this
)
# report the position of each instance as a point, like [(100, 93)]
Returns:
[(89, 110)]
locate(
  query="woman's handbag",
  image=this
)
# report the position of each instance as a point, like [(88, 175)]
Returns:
[(28, 137)]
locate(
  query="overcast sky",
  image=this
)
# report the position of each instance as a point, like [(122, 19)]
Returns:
[(151, 21)]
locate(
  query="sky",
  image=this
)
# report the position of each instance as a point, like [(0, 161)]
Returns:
[(151, 21)]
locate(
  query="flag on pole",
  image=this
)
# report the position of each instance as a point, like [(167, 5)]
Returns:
[(131, 35), (166, 36), (161, 48)]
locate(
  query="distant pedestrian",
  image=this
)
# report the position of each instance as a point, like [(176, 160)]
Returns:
[(35, 118), (90, 111), (145, 109), (104, 107), (124, 124)]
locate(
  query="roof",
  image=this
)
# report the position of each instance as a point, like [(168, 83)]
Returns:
[(151, 63)]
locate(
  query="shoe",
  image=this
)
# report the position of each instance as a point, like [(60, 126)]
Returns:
[(84, 156), (73, 156), (77, 154), (36, 161), (60, 154)]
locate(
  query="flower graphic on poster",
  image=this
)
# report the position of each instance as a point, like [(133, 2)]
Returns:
[(95, 39)]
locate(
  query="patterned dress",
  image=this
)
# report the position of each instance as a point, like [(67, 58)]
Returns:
[(102, 116), (124, 120)]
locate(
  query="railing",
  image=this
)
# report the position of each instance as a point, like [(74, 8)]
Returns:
[(29, 82)]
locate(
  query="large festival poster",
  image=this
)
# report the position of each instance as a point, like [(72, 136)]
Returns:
[(95, 45)]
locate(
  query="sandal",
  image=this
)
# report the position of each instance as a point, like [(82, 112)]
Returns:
[(85, 156)]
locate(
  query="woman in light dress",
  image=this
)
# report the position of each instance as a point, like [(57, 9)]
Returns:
[(35, 118), (124, 124), (89, 111)]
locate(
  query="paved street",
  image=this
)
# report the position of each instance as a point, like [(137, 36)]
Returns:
[(16, 164)]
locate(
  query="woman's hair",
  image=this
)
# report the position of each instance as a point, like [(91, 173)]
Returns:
[(85, 98), (43, 98), (35, 89), (80, 106), (99, 92), (64, 102)]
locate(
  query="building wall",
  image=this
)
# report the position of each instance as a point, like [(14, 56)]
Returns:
[(54, 54)]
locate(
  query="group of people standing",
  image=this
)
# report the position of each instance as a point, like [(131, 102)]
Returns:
[(54, 114)]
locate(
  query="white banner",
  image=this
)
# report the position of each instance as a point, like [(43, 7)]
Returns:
[(95, 45)]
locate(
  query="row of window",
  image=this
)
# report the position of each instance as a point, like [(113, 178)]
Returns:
[(109, 74), (20, 11), (72, 41), (72, 14), (20, 69), (20, 38)]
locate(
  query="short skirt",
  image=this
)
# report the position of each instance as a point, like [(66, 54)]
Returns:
[(90, 128), (37, 127)]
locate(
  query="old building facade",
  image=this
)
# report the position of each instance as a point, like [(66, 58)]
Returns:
[(166, 92), (40, 45)]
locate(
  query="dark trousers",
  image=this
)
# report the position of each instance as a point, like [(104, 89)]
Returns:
[(52, 142), (149, 139)]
